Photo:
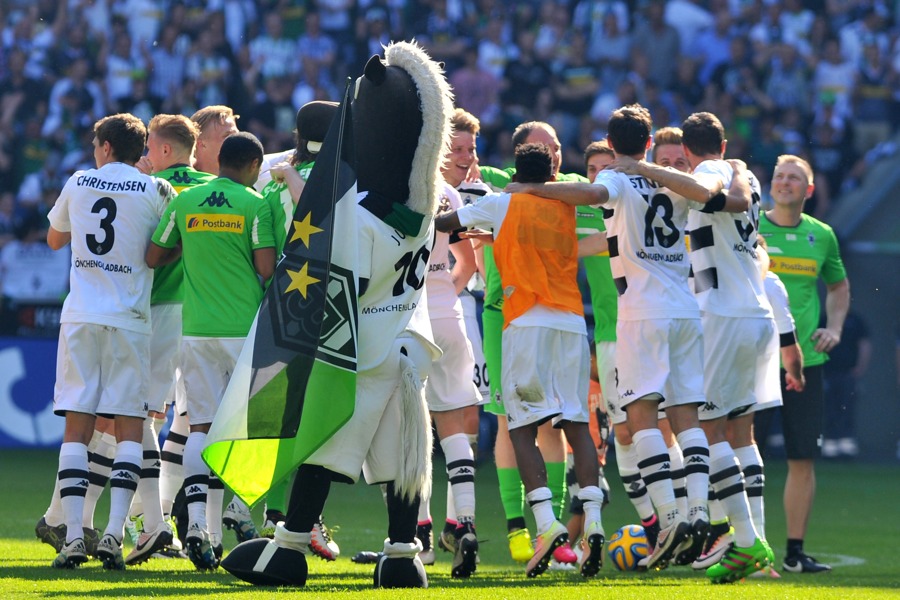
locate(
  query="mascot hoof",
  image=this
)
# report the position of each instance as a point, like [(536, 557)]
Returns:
[(263, 562), (399, 566), (400, 572)]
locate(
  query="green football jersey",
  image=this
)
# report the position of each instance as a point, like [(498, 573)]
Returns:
[(168, 280), (604, 297), (278, 197), (799, 256), (220, 224)]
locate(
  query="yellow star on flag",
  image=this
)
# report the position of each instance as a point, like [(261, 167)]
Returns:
[(304, 229), (300, 280)]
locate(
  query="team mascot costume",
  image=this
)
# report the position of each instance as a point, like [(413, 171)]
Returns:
[(400, 117)]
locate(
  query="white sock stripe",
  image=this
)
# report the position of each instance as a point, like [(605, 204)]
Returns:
[(265, 557)]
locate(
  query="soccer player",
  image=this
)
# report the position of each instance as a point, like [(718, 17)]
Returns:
[(288, 178), (658, 317), (768, 396), (550, 440), (226, 221), (737, 330), (450, 390), (170, 146), (545, 372), (216, 124), (802, 250), (107, 214)]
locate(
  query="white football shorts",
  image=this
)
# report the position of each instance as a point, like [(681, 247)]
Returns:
[(101, 370), (545, 376)]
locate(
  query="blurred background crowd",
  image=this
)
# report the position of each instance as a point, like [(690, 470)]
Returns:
[(818, 78)]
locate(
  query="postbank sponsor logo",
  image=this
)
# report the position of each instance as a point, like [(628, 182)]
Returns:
[(794, 266), (213, 222)]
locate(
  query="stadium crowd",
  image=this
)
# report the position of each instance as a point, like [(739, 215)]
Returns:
[(817, 79)]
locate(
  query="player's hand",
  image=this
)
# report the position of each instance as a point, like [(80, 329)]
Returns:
[(826, 339), (625, 164), (474, 173), (279, 171), (145, 166), (793, 384), (479, 236), (737, 164)]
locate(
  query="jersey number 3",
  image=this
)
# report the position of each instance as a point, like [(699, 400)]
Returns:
[(109, 234)]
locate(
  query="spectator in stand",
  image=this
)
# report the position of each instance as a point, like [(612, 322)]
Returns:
[(271, 54), (272, 120), (476, 90), (835, 76), (653, 32), (788, 81), (20, 95), (121, 65), (166, 62), (375, 33), (86, 106), (336, 19), (525, 95), (210, 68), (314, 45), (873, 100)]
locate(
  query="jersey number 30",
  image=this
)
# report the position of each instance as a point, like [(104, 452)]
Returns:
[(109, 234)]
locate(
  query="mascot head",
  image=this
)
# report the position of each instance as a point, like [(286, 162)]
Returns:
[(401, 127)]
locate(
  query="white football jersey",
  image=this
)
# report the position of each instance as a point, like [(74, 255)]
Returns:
[(111, 213), (647, 252), (443, 303), (393, 266), (723, 254)]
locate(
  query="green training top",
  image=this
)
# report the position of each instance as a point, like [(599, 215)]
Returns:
[(799, 256), (278, 197), (220, 224), (168, 280)]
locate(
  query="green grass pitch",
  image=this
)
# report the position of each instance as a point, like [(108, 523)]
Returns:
[(854, 527)]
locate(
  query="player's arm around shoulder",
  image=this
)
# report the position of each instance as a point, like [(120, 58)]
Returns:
[(574, 193)]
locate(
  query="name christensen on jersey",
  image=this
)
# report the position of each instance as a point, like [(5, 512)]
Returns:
[(110, 186)]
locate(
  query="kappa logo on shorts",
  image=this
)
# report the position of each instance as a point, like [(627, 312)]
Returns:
[(628, 393), (709, 406)]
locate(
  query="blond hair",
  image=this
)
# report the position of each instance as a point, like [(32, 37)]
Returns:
[(464, 121), (796, 160), (216, 113), (178, 130)]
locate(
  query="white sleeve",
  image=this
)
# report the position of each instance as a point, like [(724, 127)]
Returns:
[(613, 184), (59, 214), (482, 214), (778, 298)]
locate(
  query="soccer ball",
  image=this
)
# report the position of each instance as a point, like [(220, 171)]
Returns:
[(627, 546)]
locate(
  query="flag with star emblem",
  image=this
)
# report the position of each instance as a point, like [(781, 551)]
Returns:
[(294, 384)]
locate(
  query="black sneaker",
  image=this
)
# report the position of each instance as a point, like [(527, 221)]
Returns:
[(804, 563), (466, 555)]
